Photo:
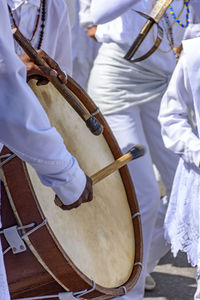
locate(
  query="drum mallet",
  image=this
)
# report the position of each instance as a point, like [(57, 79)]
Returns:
[(92, 123), (135, 152)]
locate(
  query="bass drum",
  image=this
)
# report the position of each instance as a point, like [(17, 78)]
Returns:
[(97, 246)]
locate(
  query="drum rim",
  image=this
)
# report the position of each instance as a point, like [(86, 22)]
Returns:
[(80, 280)]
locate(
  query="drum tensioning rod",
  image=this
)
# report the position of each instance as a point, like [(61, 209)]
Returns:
[(92, 123), (135, 152)]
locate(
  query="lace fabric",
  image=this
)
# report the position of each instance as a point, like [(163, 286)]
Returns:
[(182, 218)]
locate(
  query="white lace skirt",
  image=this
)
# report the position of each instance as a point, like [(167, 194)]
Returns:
[(182, 219)]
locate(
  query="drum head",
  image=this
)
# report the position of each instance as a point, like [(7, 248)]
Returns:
[(98, 236)]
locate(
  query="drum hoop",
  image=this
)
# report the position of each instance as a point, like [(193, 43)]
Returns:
[(79, 280)]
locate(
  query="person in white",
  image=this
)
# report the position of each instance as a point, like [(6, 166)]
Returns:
[(56, 41), (25, 130), (182, 222), (129, 96), (84, 49)]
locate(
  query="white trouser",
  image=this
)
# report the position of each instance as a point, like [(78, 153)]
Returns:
[(166, 162), (139, 125), (128, 130)]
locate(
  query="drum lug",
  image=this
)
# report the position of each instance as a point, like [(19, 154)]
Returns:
[(14, 239)]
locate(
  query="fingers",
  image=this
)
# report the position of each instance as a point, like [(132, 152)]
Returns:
[(48, 72), (86, 196), (61, 75), (33, 69), (71, 206), (40, 79), (91, 31)]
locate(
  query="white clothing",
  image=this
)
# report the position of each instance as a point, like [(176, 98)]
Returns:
[(86, 19), (182, 93), (66, 168), (57, 35), (194, 12), (135, 91), (123, 84), (124, 30), (130, 127), (84, 48), (182, 231), (127, 127), (25, 129), (182, 218), (104, 11)]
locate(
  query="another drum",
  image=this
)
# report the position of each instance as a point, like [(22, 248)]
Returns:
[(96, 247)]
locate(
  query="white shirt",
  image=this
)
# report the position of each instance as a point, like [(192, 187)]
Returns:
[(25, 128), (84, 48), (104, 11), (181, 96), (57, 33), (85, 15), (125, 28)]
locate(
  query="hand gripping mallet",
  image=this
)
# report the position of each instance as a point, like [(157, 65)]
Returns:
[(92, 123), (135, 152)]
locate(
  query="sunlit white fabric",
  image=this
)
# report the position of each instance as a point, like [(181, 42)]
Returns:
[(24, 126), (129, 95), (57, 35), (182, 219), (25, 129), (84, 48), (124, 30), (104, 11), (14, 4)]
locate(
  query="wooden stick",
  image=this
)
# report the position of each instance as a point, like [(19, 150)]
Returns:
[(91, 122), (135, 152)]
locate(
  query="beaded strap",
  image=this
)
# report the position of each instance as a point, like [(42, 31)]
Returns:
[(186, 3)]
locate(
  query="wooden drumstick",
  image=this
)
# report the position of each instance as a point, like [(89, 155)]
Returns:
[(135, 152), (92, 123)]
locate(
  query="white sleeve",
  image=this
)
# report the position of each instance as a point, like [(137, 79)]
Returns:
[(25, 128), (103, 11), (63, 52), (176, 130), (85, 16)]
